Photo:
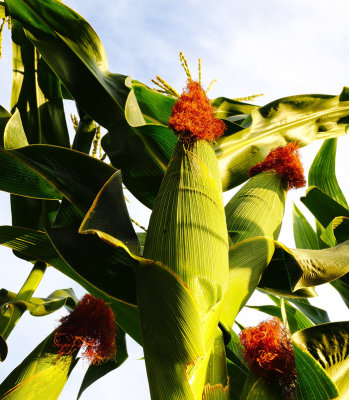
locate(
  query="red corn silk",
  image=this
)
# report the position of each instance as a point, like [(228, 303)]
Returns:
[(90, 327), (192, 116), (285, 162), (268, 352)]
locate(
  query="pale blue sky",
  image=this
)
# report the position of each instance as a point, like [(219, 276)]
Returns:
[(275, 47)]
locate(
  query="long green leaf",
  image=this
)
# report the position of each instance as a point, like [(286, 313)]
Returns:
[(20, 179), (74, 52), (4, 118), (322, 172), (36, 93), (105, 267), (77, 176), (302, 118), (35, 244), (237, 378), (295, 318), (14, 135), (323, 207), (42, 306), (37, 99), (171, 325), (258, 388), (109, 214), (315, 314), (336, 232), (247, 263), (11, 312), (328, 344), (2, 10), (152, 107), (40, 376), (307, 268), (217, 380), (96, 372), (313, 383), (304, 235)]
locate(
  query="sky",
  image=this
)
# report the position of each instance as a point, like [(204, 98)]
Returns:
[(278, 48)]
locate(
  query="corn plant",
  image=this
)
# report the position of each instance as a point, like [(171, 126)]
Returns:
[(178, 287)]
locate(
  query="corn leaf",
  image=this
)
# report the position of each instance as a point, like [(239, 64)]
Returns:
[(315, 314), (307, 268), (74, 52), (343, 289), (109, 214), (14, 135), (231, 109), (302, 118), (142, 154), (234, 352), (322, 172), (42, 306), (96, 372), (295, 318), (36, 244), (323, 207), (257, 387), (154, 107), (171, 325), (328, 344), (247, 263), (38, 108), (106, 267), (334, 228), (2, 10), (237, 378), (304, 235), (18, 178), (3, 349), (77, 176), (4, 118), (85, 132), (217, 380), (313, 383), (36, 93), (337, 231), (40, 376)]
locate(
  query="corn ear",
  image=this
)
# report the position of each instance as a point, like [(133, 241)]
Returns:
[(187, 230), (257, 209)]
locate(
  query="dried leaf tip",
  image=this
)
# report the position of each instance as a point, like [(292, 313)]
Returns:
[(192, 116), (285, 162), (268, 352), (90, 327)]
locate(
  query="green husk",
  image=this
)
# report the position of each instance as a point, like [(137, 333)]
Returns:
[(187, 229), (257, 209)]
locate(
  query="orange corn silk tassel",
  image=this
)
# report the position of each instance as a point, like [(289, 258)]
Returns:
[(268, 352), (187, 229), (90, 327), (258, 207), (285, 162)]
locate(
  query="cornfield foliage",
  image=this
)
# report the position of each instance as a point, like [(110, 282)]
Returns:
[(178, 287)]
